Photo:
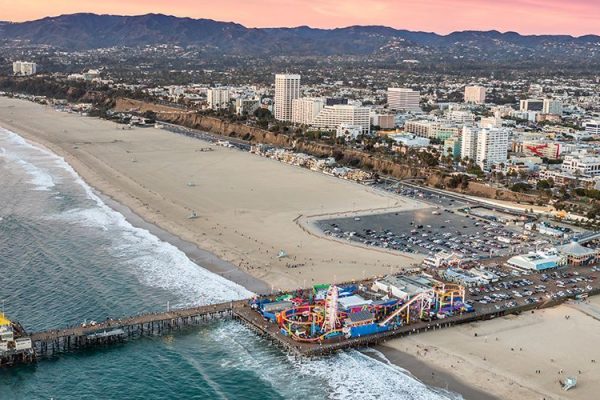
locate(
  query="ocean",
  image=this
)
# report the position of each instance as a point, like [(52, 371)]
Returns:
[(66, 258)]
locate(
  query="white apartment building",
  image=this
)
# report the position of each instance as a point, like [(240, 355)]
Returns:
[(582, 164), (551, 106), (403, 99), (432, 129), (468, 143), (475, 94), (305, 110), (461, 116), (487, 146), (331, 117), (24, 68), (592, 127), (492, 147), (287, 88), (217, 98)]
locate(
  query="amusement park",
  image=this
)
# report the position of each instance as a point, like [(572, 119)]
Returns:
[(337, 312)]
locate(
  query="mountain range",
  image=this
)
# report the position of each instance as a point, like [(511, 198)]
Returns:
[(92, 31)]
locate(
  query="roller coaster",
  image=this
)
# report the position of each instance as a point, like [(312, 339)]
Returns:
[(317, 321)]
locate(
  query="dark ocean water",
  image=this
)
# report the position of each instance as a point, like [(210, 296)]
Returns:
[(65, 257)]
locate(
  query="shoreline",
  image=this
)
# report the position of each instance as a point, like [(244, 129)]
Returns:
[(202, 258), (434, 377)]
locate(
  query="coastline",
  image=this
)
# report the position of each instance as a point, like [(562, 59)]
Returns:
[(200, 257), (432, 376)]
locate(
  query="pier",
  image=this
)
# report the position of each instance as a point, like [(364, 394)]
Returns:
[(114, 331), (48, 343)]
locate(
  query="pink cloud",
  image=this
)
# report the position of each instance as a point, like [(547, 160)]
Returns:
[(575, 17)]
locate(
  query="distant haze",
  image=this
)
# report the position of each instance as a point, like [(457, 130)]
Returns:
[(575, 17)]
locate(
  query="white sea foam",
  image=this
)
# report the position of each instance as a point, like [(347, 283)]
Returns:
[(345, 375), (154, 262), (39, 178)]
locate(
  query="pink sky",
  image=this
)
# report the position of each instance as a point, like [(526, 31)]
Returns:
[(576, 17)]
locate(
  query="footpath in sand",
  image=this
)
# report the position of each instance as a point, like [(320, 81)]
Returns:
[(503, 358), (247, 206)]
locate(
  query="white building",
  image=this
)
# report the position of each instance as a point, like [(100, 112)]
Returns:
[(347, 130), (461, 116), (24, 68), (581, 164), (91, 75), (287, 88), (410, 140), (331, 117), (305, 110), (217, 98), (468, 144), (492, 147), (551, 106), (592, 127), (403, 99), (475, 94), (486, 146)]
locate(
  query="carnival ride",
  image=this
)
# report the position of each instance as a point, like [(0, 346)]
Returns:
[(315, 320)]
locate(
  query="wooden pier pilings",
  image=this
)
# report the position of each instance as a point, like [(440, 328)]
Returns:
[(51, 342)]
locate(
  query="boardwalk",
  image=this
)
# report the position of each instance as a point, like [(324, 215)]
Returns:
[(47, 343)]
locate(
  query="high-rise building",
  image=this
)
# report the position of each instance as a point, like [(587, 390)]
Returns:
[(217, 98), (287, 88), (468, 144), (331, 117), (24, 68), (475, 94), (492, 147), (305, 110), (403, 99), (551, 106), (487, 146)]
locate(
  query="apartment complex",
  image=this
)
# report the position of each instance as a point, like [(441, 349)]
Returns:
[(475, 94), (287, 88), (432, 129), (305, 110), (217, 98), (24, 68), (403, 99), (486, 146), (331, 117)]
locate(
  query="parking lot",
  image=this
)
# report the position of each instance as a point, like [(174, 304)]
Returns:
[(432, 230), (516, 288)]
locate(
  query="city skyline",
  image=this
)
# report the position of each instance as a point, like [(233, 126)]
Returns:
[(576, 17)]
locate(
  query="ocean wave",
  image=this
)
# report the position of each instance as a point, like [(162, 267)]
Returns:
[(154, 262), (40, 178)]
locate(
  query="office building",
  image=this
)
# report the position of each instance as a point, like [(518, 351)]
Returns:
[(217, 98), (24, 68), (551, 106), (331, 117), (287, 88), (581, 164), (531, 105), (592, 127), (475, 94), (402, 99), (305, 110)]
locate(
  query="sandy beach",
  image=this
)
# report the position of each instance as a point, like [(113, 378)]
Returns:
[(248, 207), (503, 358)]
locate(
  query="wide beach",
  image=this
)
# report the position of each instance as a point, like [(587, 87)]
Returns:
[(248, 207)]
